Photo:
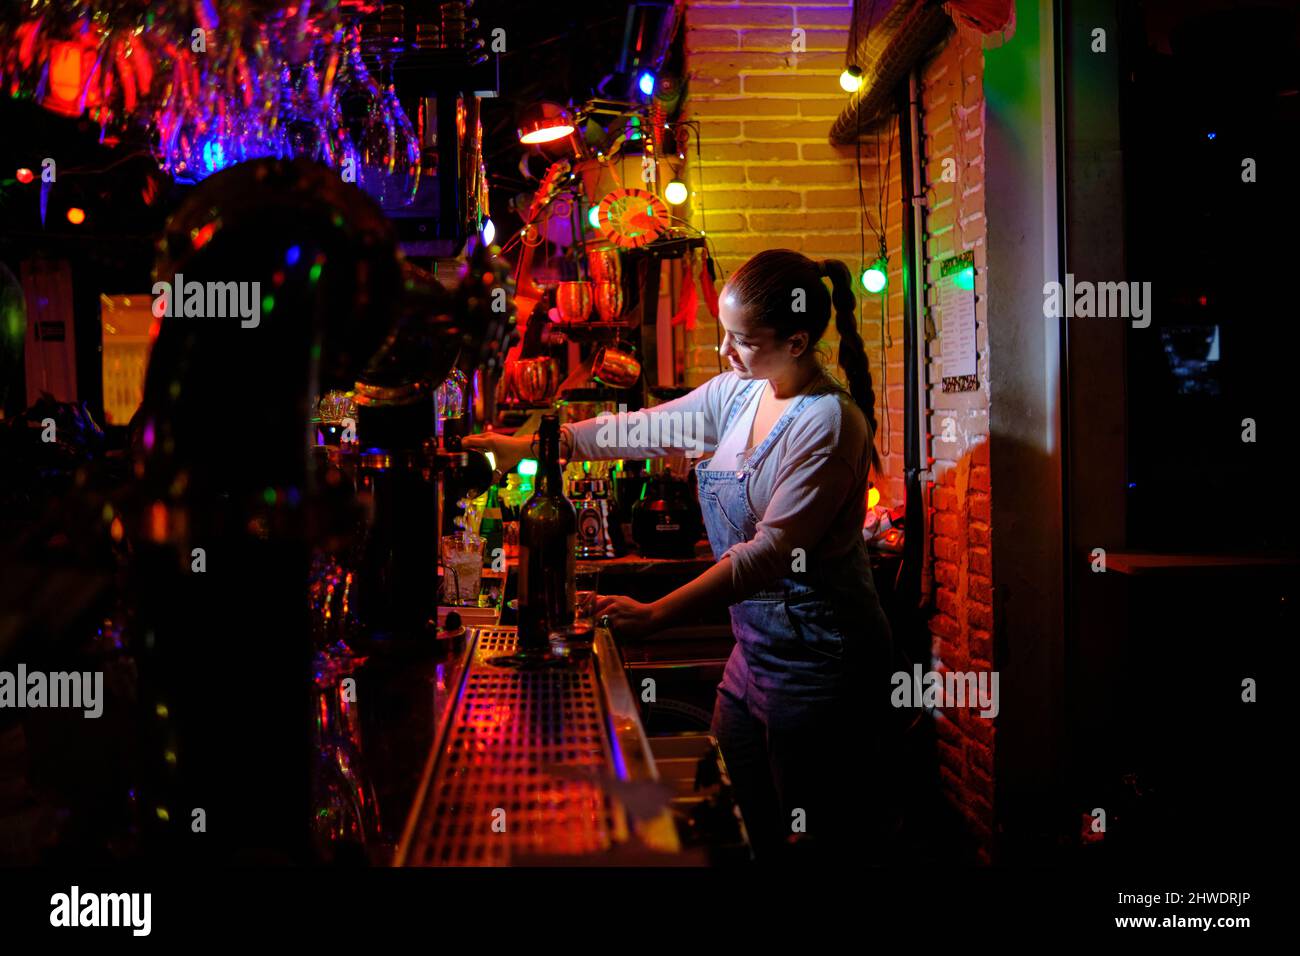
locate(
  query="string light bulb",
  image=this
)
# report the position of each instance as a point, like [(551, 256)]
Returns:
[(851, 79), (876, 277), (675, 192)]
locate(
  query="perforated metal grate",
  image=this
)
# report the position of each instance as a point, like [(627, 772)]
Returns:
[(509, 779)]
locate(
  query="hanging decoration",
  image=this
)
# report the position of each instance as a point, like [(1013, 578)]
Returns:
[(690, 299), (632, 217)]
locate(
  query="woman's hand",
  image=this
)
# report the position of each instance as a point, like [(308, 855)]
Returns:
[(506, 449), (629, 618)]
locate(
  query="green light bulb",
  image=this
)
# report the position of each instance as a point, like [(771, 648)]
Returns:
[(876, 277)]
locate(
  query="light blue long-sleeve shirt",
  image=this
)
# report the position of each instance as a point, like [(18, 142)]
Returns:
[(809, 491)]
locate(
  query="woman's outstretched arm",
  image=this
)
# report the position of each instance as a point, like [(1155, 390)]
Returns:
[(687, 425), (683, 426)]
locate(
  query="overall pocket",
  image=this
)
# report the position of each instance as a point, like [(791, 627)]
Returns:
[(711, 497), (814, 624)]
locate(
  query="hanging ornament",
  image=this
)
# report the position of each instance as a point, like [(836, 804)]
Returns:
[(690, 299), (632, 217)]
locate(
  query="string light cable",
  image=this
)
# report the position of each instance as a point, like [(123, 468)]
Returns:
[(864, 223)]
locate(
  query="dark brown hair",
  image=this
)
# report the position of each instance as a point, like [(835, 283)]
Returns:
[(765, 287)]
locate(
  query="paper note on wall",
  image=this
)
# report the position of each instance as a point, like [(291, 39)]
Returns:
[(957, 347)]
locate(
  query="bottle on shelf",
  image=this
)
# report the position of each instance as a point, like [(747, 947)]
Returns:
[(512, 499)]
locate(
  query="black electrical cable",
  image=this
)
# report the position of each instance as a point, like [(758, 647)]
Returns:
[(694, 126), (864, 223)]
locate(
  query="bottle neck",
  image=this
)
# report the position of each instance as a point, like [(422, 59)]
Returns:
[(550, 480), (555, 481)]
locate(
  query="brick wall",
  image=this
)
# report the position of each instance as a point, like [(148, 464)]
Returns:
[(952, 120), (769, 178)]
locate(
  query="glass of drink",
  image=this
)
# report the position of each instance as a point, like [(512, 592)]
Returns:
[(462, 568), (575, 639), (586, 582)]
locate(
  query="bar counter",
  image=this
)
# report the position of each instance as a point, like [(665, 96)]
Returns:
[(482, 765), (531, 766)]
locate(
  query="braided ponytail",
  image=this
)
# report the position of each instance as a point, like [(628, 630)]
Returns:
[(853, 354), (765, 283)]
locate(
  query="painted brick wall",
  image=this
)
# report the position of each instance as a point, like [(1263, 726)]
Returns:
[(769, 178)]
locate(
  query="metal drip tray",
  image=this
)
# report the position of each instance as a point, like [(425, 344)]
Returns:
[(528, 764)]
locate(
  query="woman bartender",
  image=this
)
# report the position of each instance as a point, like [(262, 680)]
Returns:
[(800, 711)]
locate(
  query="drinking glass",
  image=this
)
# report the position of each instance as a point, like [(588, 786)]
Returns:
[(586, 584), (345, 811), (574, 300), (462, 563), (575, 639), (609, 300)]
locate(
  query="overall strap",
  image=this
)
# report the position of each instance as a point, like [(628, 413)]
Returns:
[(761, 452)]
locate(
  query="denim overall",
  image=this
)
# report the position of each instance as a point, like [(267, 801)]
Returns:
[(798, 729)]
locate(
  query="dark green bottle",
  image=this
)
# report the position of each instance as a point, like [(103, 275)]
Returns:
[(548, 538)]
